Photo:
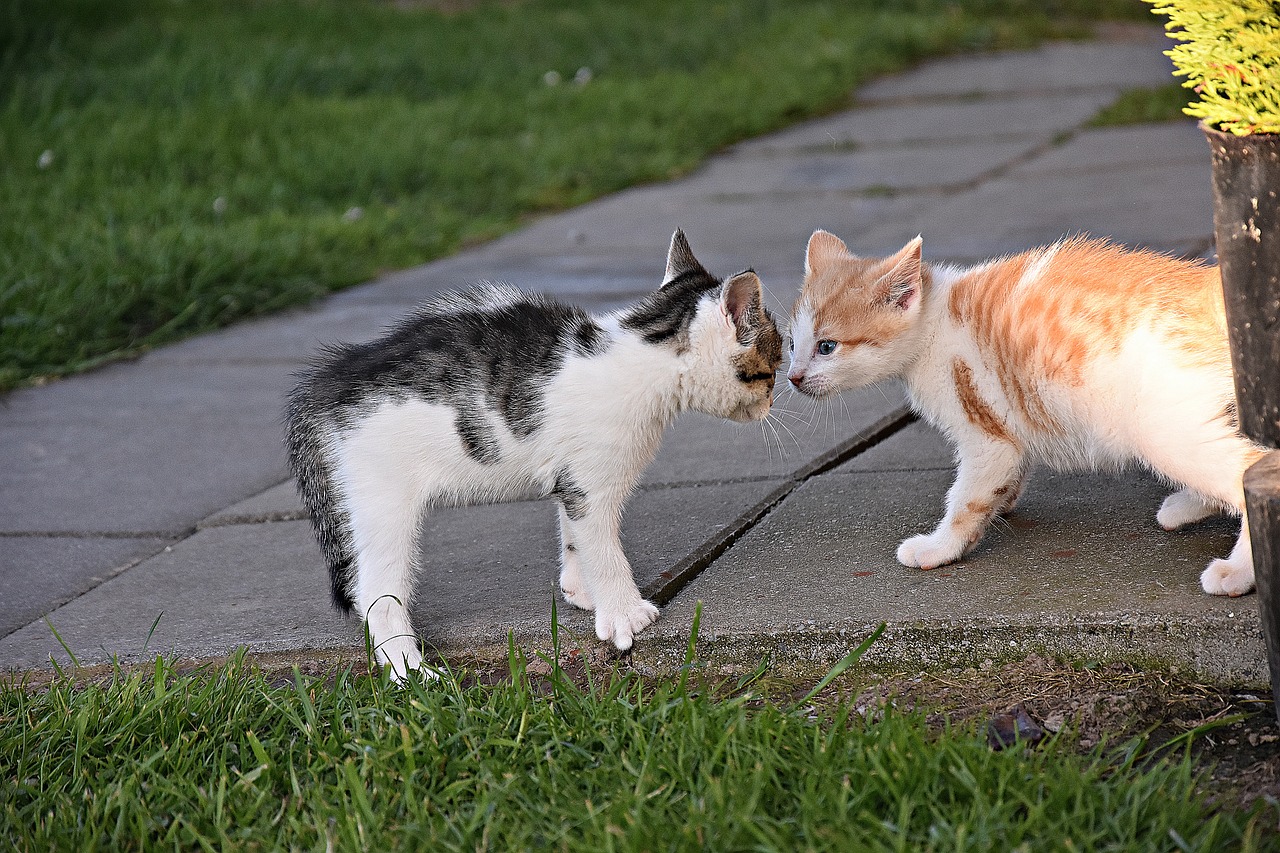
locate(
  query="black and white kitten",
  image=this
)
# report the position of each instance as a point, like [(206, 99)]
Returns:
[(493, 394)]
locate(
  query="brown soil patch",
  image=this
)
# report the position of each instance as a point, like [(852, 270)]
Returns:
[(1233, 734)]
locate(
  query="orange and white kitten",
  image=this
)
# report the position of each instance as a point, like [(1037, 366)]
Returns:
[(1078, 355)]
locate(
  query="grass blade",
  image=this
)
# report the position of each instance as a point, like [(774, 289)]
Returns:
[(841, 665)]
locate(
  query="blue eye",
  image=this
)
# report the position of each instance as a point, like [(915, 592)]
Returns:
[(826, 347)]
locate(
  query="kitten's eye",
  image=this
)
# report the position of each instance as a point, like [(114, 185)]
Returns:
[(791, 345), (826, 347)]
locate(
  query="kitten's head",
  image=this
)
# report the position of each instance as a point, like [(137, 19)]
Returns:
[(731, 344), (854, 321)]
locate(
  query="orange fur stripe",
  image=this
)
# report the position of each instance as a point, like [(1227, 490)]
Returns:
[(975, 408)]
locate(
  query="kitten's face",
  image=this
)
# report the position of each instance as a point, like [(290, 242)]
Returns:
[(853, 321), (739, 350), (756, 366), (732, 345)]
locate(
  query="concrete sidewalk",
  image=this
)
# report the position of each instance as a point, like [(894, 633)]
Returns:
[(146, 508)]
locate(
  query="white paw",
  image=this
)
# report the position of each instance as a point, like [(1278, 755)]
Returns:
[(1224, 578), (620, 625), (1182, 508), (575, 591), (929, 551), (402, 655)]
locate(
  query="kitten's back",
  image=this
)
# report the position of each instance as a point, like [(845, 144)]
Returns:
[(1050, 311), (492, 347), (492, 341)]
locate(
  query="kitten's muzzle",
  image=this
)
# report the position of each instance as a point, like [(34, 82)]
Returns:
[(796, 376), (808, 388), (748, 412)]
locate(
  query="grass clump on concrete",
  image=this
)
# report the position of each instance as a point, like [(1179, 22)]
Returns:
[(227, 757), (171, 167), (1143, 105)]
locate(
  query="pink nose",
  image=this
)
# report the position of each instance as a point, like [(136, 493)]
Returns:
[(796, 375)]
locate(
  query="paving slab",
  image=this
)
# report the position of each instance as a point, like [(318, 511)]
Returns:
[(1039, 117), (158, 487), (1057, 67), (287, 339), (918, 447), (1080, 569), (43, 572), (1135, 204), (600, 281), (698, 448), (901, 167), (486, 570), (139, 449), (728, 231), (1121, 149), (260, 585), (278, 503)]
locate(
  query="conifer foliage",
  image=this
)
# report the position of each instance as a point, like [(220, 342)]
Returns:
[(1229, 51)]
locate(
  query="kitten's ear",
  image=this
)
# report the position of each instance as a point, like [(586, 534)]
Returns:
[(900, 287), (742, 300), (680, 259), (824, 247)]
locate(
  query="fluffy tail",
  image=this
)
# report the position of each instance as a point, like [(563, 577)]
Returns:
[(307, 435)]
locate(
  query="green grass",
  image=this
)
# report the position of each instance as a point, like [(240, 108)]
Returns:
[(1140, 106), (227, 758), (205, 160)]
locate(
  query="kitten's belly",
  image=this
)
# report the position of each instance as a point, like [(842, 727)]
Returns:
[(415, 443), (512, 483), (1073, 453)]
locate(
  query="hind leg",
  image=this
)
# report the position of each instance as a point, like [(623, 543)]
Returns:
[(1184, 507), (384, 588), (1234, 575), (1214, 468), (384, 524)]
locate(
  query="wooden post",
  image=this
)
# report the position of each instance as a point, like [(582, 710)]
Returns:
[(1262, 495), (1246, 218)]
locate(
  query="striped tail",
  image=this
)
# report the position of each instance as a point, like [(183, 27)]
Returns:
[(306, 432)]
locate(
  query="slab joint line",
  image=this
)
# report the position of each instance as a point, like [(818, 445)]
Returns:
[(669, 584)]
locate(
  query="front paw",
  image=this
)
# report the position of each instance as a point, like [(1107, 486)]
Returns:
[(620, 625), (1225, 578), (929, 551)]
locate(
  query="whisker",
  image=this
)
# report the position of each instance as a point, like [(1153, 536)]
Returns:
[(779, 423), (788, 413), (767, 427), (819, 417), (773, 427), (780, 306), (999, 521), (844, 408), (764, 435)]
